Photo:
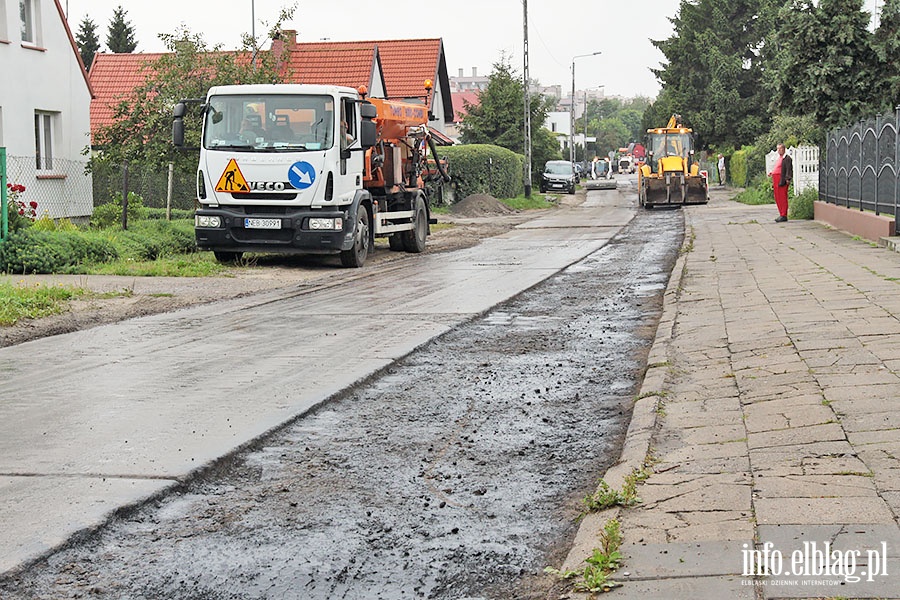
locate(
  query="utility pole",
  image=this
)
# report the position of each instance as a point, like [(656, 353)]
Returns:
[(527, 107)]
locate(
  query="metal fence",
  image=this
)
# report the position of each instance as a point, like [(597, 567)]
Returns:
[(62, 191), (151, 184), (861, 167)]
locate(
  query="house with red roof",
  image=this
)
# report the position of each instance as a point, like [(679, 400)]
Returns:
[(387, 68), (461, 102), (44, 108)]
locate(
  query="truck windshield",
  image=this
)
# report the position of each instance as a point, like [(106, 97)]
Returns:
[(269, 123)]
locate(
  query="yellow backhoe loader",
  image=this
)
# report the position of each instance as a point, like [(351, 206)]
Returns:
[(671, 177)]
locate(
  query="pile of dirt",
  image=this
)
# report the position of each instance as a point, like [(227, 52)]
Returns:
[(480, 205)]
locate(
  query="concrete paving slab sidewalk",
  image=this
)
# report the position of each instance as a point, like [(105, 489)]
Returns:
[(769, 417)]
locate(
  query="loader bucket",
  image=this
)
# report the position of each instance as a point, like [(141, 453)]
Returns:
[(697, 191), (654, 192)]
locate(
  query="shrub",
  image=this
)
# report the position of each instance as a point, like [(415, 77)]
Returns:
[(20, 214), (151, 239), (484, 169), (801, 207), (34, 251), (160, 213), (45, 223), (739, 168), (109, 215), (759, 192)]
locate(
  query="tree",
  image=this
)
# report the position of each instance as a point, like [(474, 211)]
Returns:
[(499, 119), (886, 45), (713, 70), (142, 130), (87, 41), (825, 64), (611, 134), (120, 35)]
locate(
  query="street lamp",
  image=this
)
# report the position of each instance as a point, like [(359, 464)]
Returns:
[(572, 108)]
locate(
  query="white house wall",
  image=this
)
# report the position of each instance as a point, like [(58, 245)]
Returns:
[(45, 76)]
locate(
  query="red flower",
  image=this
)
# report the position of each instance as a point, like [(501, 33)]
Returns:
[(21, 211), (32, 204)]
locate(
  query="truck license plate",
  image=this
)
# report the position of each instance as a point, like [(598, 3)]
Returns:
[(262, 223)]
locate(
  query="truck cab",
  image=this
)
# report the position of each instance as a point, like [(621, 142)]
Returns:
[(280, 170)]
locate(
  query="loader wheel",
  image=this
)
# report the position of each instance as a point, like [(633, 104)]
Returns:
[(414, 240), (355, 257)]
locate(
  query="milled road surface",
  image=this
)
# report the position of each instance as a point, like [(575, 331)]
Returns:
[(454, 473)]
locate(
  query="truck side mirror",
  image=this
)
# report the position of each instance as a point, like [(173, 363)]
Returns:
[(178, 132), (367, 110), (368, 133), (178, 124)]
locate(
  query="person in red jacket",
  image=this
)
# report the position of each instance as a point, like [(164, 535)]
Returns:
[(781, 181)]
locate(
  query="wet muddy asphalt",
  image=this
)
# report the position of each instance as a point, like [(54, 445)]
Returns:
[(456, 473)]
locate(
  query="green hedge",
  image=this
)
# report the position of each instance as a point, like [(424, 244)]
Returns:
[(484, 169), (151, 239), (739, 167), (33, 251)]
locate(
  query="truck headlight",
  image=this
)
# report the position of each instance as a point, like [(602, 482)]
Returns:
[(207, 221), (334, 224)]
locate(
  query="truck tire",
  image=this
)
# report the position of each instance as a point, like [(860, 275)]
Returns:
[(227, 257), (355, 257), (395, 241), (414, 240)]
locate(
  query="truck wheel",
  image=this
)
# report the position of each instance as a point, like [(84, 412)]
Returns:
[(356, 256), (227, 257), (396, 242), (414, 240)]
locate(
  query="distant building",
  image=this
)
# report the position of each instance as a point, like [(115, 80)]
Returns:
[(475, 83)]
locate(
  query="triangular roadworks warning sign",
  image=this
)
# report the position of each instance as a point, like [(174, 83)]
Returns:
[(232, 180)]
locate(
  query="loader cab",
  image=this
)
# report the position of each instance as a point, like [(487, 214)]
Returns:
[(664, 144)]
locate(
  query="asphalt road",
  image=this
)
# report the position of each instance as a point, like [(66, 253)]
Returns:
[(454, 472)]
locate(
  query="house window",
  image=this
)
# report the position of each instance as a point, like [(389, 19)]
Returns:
[(43, 140), (26, 18)]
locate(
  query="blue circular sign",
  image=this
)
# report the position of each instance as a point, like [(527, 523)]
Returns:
[(301, 175)]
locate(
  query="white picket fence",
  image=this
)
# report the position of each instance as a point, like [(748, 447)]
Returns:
[(806, 166)]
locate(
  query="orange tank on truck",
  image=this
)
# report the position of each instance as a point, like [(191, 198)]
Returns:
[(311, 169)]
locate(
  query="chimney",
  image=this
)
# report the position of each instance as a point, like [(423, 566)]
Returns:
[(289, 36), (460, 72), (474, 71)]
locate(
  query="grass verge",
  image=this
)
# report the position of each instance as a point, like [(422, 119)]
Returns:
[(18, 301)]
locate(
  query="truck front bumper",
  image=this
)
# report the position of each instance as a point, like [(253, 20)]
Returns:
[(284, 231)]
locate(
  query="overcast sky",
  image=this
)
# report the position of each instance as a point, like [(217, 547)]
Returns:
[(475, 32)]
